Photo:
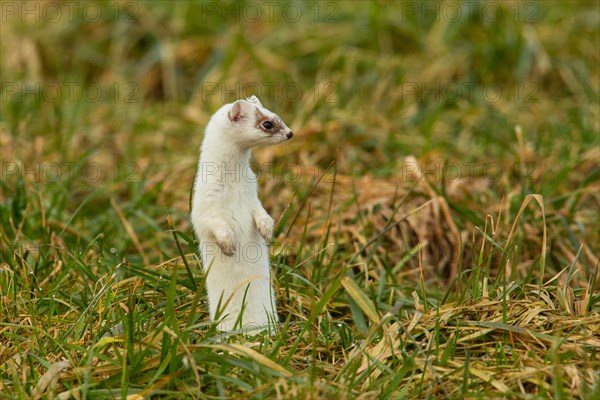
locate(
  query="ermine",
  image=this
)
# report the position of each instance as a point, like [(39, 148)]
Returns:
[(229, 220)]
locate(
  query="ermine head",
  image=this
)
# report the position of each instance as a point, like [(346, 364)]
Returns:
[(248, 124)]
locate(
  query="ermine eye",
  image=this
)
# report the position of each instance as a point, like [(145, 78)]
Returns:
[(267, 125)]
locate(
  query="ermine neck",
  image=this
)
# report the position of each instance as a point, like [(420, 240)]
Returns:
[(228, 154), (222, 162)]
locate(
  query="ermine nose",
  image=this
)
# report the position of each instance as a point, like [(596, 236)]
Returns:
[(290, 134)]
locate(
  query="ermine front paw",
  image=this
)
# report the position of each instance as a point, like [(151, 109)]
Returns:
[(226, 241), (264, 225)]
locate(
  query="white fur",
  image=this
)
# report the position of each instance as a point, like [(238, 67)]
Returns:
[(233, 227)]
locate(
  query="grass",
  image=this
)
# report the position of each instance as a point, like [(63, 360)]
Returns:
[(437, 210)]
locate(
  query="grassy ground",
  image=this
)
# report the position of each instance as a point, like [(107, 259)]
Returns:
[(438, 207)]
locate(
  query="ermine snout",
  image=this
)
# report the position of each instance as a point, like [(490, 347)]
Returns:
[(289, 134)]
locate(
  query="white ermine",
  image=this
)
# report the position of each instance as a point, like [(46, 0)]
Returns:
[(229, 220)]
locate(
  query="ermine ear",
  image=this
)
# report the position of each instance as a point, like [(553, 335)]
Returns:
[(255, 100), (237, 111)]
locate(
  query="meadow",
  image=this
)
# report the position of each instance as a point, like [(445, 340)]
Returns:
[(437, 210)]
